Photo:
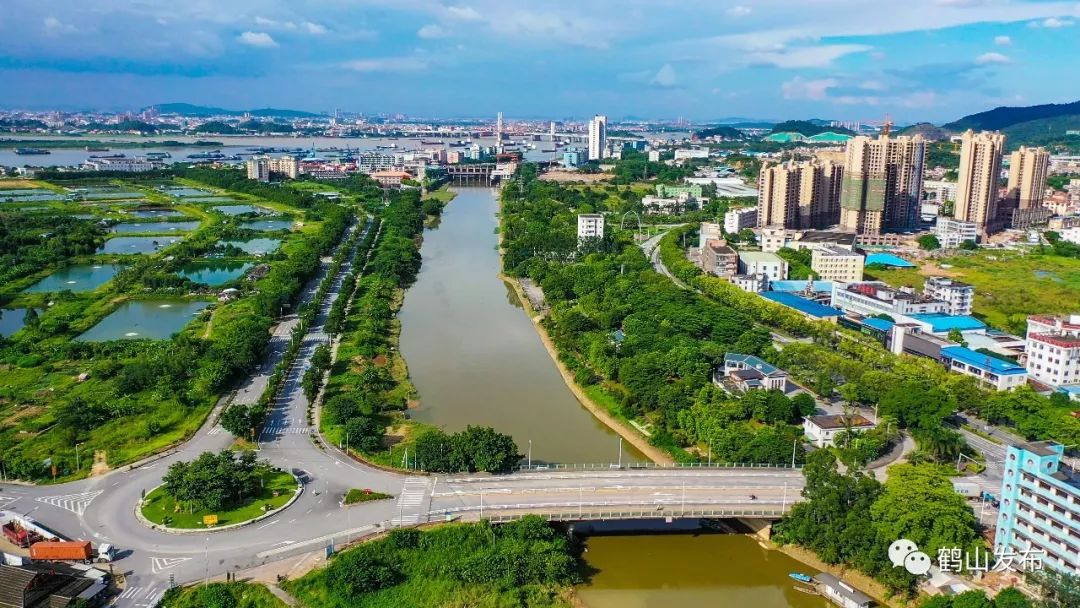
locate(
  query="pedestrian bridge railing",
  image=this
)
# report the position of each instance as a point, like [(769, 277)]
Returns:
[(604, 466)]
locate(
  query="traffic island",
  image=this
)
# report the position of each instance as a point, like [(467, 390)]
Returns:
[(279, 489), (357, 496)]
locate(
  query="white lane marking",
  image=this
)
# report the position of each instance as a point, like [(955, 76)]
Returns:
[(157, 564), (268, 525), (76, 503), (322, 539), (130, 592)]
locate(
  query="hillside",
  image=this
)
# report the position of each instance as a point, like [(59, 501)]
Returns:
[(188, 109), (927, 130), (1005, 116), (719, 131), (807, 128), (1048, 132)]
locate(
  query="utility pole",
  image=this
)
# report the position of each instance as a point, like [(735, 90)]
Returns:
[(794, 444), (530, 453), (620, 452), (78, 465)]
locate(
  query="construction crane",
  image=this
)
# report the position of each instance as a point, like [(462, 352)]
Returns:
[(886, 127)]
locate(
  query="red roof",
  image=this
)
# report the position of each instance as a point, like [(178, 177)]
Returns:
[(1056, 340)]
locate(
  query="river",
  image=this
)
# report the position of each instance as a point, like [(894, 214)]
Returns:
[(476, 358)]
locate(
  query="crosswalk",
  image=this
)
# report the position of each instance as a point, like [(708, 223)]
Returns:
[(144, 597), (76, 503), (217, 430), (285, 429), (413, 494)]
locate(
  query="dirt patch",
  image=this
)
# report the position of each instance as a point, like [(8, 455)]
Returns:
[(101, 463), (573, 176), (412, 404), (380, 361), (23, 413), (929, 268)]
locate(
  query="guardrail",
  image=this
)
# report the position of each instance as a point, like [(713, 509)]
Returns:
[(613, 514), (653, 465)]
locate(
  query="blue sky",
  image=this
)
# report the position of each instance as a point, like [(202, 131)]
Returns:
[(847, 59)]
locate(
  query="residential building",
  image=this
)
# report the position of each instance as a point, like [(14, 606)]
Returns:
[(1071, 234), (754, 283), (882, 183), (590, 225), (772, 239), (822, 430), (814, 239), (875, 297), (739, 219), (285, 165), (977, 185), (811, 308), (956, 294), (799, 195), (258, 168), (718, 258), (1053, 349), (952, 233), (391, 179), (598, 137), (939, 191), (747, 372), (48, 585), (759, 262), (708, 232), (573, 157), (991, 372), (1039, 507), (655, 205), (654, 156), (1028, 168), (370, 162), (837, 264)]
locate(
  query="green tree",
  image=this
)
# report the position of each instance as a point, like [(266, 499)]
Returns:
[(355, 573), (1010, 597), (929, 242)]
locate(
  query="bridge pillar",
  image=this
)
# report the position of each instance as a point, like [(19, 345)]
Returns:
[(761, 528)]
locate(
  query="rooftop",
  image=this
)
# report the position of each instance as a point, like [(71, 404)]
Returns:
[(947, 282), (760, 257), (752, 362), (941, 322), (843, 589), (828, 236), (878, 324), (803, 305), (982, 361), (839, 421), (888, 259), (1062, 340), (800, 285)]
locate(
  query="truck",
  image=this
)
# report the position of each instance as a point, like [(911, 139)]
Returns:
[(71, 551), (19, 535)]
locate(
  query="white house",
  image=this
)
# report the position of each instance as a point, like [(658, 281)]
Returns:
[(822, 430)]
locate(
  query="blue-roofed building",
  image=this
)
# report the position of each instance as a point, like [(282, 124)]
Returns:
[(807, 307), (941, 323), (789, 285), (992, 372), (747, 372), (888, 259), (884, 325), (1072, 391)]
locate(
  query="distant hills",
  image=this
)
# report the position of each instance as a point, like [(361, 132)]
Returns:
[(808, 128), (1006, 116), (187, 109)]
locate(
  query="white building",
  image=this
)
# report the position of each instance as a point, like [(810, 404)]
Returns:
[(739, 219), (939, 191), (370, 162), (773, 239), (1071, 235), (1053, 349), (709, 231), (127, 165), (837, 264), (285, 165), (686, 154), (874, 297), (822, 430), (951, 233), (598, 137), (959, 296), (656, 205), (654, 156), (750, 282), (590, 225), (757, 263), (258, 168)]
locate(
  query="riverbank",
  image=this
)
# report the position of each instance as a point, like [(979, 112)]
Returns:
[(857, 579)]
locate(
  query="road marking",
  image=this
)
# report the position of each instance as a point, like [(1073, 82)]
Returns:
[(130, 592), (153, 597), (76, 503), (284, 542), (267, 525), (322, 539), (157, 564)]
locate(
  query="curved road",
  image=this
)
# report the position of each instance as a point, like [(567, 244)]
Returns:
[(101, 509)]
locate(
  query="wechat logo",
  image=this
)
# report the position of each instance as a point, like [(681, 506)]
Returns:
[(906, 553)]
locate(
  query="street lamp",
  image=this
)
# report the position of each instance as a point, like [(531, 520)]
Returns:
[(78, 465), (620, 452), (530, 453)]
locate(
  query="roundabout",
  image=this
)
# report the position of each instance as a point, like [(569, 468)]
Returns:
[(277, 491)]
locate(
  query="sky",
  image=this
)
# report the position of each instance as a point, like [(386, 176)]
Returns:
[(854, 60)]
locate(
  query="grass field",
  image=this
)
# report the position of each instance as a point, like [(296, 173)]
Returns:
[(443, 194), (159, 506), (243, 595), (1008, 285)]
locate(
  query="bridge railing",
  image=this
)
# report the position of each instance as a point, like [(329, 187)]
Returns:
[(564, 513), (597, 466)]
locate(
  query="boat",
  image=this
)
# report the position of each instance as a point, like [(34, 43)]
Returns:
[(802, 578), (107, 156), (24, 151), (807, 590), (158, 155), (96, 149)]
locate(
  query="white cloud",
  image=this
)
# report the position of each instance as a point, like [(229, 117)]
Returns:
[(805, 56), (873, 85), (1054, 22), (814, 90), (387, 64), (992, 58), (315, 29), (739, 11), (665, 77), (432, 30), (1002, 41), (54, 26), (257, 39), (463, 13)]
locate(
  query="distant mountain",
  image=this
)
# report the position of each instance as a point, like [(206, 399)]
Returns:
[(721, 131), (1000, 118), (808, 128), (927, 130), (187, 109)]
